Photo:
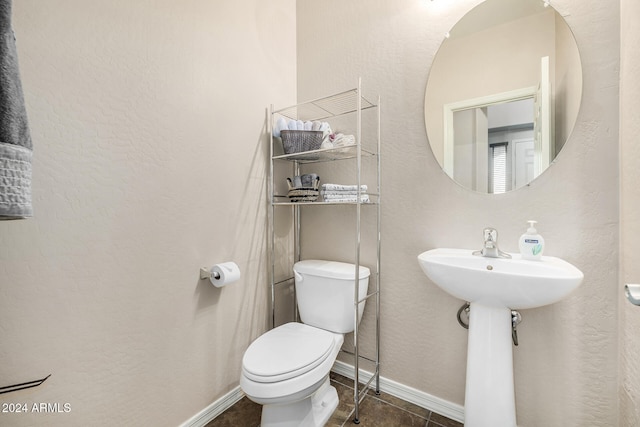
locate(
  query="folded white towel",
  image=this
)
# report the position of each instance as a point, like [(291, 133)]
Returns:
[(326, 145), (340, 196), (364, 198), (345, 140), (342, 187), (339, 193), (342, 140)]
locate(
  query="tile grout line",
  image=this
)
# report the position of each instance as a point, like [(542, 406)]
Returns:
[(349, 417), (380, 399), (427, 419)]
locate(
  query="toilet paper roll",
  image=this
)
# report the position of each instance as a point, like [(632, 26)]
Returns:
[(224, 273)]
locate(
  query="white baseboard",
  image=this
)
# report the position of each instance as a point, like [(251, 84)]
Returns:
[(216, 408), (409, 394)]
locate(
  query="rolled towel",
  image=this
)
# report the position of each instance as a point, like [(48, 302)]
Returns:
[(293, 125), (326, 130), (308, 125), (281, 124)]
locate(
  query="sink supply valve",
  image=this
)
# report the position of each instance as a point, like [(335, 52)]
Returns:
[(463, 315), (516, 318), (465, 310)]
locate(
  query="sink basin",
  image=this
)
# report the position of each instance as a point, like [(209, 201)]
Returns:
[(513, 283), (495, 286)]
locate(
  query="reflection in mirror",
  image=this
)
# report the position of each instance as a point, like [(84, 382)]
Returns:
[(503, 94)]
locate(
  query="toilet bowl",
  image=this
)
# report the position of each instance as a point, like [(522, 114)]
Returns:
[(287, 369), (287, 366)]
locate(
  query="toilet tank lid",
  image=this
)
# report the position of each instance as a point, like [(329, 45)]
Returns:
[(330, 269)]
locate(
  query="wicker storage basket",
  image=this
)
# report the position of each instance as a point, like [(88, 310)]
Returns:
[(297, 141), (303, 195)]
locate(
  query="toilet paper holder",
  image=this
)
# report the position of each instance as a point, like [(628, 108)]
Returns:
[(221, 274), (206, 274)]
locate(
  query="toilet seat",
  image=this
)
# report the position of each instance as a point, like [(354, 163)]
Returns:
[(286, 352)]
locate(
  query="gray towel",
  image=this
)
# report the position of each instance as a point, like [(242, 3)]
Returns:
[(15, 140)]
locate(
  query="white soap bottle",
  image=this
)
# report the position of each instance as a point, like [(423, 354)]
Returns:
[(531, 243)]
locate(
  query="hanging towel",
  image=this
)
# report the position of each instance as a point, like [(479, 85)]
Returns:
[(15, 140)]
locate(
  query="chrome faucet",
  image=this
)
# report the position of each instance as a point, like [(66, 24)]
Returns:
[(490, 248)]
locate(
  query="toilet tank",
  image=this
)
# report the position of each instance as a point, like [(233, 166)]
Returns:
[(325, 293)]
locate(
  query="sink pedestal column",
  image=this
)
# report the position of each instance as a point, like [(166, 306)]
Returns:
[(489, 394)]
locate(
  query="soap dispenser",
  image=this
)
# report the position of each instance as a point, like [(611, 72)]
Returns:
[(531, 243)]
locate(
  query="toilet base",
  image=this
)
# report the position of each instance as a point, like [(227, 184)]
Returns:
[(314, 411)]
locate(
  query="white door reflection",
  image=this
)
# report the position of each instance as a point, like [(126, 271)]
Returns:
[(494, 146)]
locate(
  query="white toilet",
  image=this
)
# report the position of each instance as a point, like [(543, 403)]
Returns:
[(287, 369)]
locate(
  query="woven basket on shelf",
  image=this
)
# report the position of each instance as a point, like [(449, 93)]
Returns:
[(297, 141), (303, 194)]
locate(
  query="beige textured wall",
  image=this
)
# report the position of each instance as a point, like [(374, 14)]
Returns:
[(630, 206), (147, 119), (566, 366)]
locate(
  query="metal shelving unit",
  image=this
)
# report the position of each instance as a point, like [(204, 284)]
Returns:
[(347, 104)]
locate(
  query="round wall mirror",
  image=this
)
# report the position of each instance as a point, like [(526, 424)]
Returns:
[(503, 94)]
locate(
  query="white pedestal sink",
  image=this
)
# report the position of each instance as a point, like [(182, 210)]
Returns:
[(494, 287)]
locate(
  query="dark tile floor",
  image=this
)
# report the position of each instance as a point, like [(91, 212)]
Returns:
[(375, 411)]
